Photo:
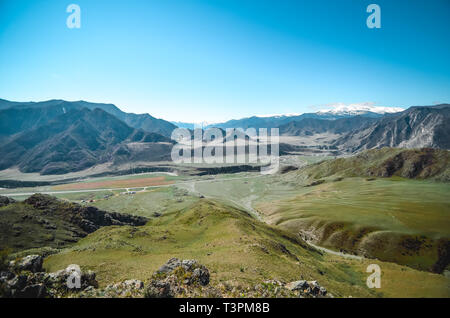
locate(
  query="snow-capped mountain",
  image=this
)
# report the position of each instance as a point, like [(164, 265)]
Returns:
[(336, 111), (417, 127), (359, 109)]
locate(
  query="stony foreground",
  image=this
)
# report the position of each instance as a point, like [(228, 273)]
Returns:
[(25, 278)]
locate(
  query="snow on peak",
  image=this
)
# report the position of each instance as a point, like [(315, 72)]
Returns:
[(279, 115), (356, 109)]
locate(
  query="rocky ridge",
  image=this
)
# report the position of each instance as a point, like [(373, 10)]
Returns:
[(25, 278), (45, 222), (88, 218)]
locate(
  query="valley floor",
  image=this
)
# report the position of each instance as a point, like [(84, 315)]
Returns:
[(248, 228)]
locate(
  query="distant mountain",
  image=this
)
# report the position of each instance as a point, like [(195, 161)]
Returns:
[(4, 104), (192, 126), (181, 124), (139, 121), (15, 120), (332, 114), (261, 122), (311, 126), (416, 127), (72, 141), (364, 109), (56, 136)]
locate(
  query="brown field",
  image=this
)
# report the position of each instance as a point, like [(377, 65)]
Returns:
[(109, 184)]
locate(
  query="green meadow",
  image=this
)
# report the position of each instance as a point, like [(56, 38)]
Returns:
[(239, 251), (395, 219)]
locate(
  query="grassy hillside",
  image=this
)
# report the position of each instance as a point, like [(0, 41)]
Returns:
[(22, 228), (238, 250), (43, 222), (399, 217), (387, 162), (403, 221), (148, 204)]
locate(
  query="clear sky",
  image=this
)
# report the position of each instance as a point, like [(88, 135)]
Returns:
[(215, 60)]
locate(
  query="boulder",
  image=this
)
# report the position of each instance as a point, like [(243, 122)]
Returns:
[(159, 289), (32, 263), (18, 282), (298, 285), (200, 275), (73, 278), (308, 289), (23, 286), (169, 266), (173, 263), (177, 277), (25, 279), (133, 284), (5, 201), (188, 264), (315, 289), (6, 275)]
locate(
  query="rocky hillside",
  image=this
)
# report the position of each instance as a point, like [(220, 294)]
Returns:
[(176, 278), (139, 121), (424, 163), (16, 120), (72, 141), (417, 127), (44, 221), (311, 126)]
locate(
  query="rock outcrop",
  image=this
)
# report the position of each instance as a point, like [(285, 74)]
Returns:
[(26, 278), (43, 221), (5, 201), (88, 218), (416, 127), (307, 289), (177, 277), (130, 288), (32, 263)]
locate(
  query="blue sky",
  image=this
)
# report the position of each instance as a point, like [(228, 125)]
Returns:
[(216, 60)]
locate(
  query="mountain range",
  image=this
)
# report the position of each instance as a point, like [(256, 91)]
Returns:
[(416, 127), (56, 136), (74, 140), (340, 111), (311, 126), (51, 108), (364, 127)]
